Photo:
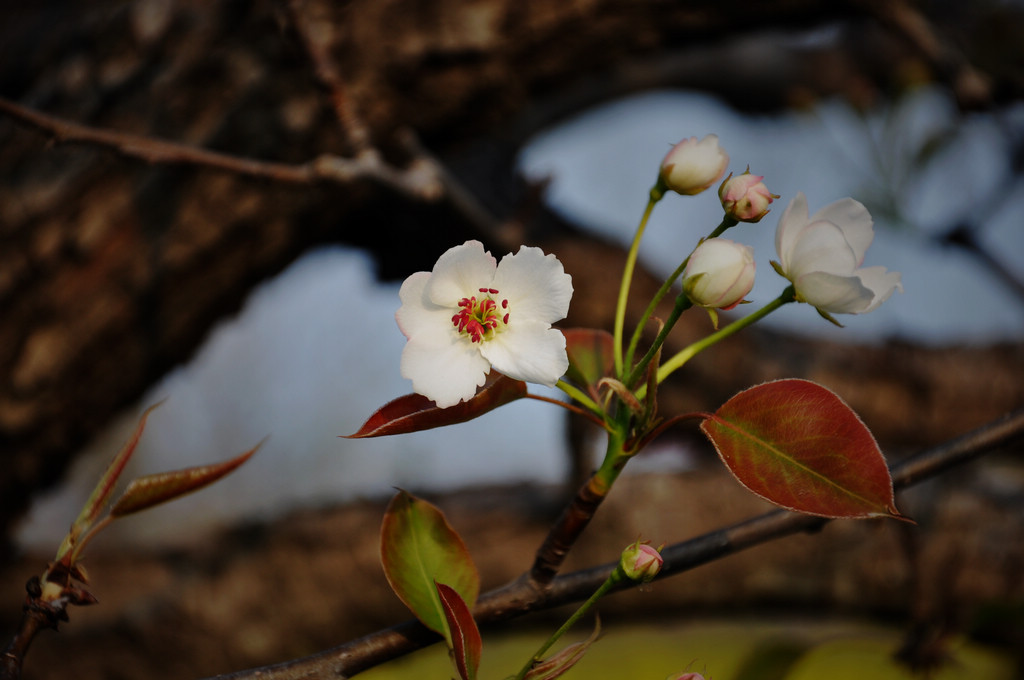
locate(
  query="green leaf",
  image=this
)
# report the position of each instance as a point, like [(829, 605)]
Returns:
[(418, 548), (466, 644), (414, 412), (798, 445), (145, 492), (591, 355)]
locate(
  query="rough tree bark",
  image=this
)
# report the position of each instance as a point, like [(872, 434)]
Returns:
[(113, 269)]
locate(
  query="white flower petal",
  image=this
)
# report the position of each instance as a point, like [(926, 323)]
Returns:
[(460, 272), (535, 285), (822, 255), (417, 312), (442, 362), (443, 367), (529, 351), (882, 283), (834, 294), (791, 223), (821, 248), (854, 220)]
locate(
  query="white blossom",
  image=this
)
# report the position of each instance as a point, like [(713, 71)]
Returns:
[(471, 314), (822, 256)]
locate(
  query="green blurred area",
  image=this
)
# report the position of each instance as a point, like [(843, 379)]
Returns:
[(721, 650)]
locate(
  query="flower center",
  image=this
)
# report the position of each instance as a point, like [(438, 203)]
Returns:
[(480, 318)]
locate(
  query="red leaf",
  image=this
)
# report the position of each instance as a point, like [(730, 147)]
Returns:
[(467, 646), (104, 488), (414, 412), (591, 355), (145, 492), (798, 445)]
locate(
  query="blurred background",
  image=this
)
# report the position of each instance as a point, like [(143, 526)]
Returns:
[(260, 303)]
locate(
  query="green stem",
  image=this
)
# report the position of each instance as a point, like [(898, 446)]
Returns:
[(682, 304), (788, 295), (580, 396), (727, 223), (627, 276), (616, 577), (649, 312)]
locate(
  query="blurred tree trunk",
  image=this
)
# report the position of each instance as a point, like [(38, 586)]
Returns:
[(112, 270)]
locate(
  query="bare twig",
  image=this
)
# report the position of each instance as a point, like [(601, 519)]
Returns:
[(969, 85), (424, 179), (521, 597), (416, 182), (460, 198), (344, 108)]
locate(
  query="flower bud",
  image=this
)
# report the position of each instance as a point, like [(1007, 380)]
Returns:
[(719, 273), (641, 562), (692, 166), (689, 675), (745, 198)]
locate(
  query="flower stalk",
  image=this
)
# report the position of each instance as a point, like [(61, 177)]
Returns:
[(727, 223), (617, 576), (627, 275), (684, 355)]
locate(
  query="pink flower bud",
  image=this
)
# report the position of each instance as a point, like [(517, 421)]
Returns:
[(686, 676), (692, 166), (745, 198), (719, 273), (641, 562)]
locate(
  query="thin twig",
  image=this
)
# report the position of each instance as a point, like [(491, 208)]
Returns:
[(414, 182), (969, 85), (503, 233), (424, 179), (521, 597), (326, 72)]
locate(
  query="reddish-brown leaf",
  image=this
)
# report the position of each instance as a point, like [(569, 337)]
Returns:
[(798, 445), (591, 355), (466, 643), (414, 412), (145, 492), (104, 488)]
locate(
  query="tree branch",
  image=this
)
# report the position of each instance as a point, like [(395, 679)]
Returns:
[(417, 181), (344, 110), (520, 597)]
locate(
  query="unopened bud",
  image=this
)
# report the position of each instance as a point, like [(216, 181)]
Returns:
[(692, 166), (745, 198), (641, 562), (719, 273)]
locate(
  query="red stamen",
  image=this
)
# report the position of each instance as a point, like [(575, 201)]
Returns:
[(477, 319)]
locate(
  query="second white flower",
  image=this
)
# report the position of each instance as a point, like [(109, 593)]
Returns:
[(822, 256)]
